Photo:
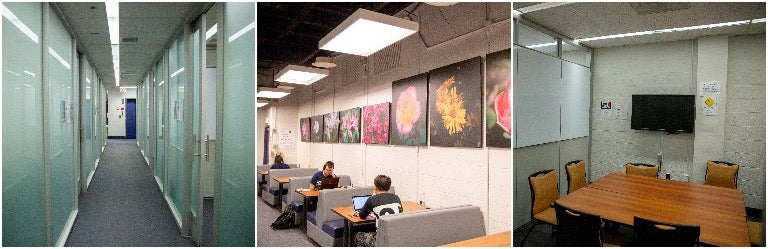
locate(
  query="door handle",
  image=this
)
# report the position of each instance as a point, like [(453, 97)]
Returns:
[(206, 147)]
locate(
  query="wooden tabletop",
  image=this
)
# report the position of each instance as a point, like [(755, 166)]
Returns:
[(502, 239), (308, 192), (282, 179), (619, 197), (347, 211), (264, 172)]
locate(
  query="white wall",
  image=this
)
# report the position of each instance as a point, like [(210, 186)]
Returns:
[(115, 114), (447, 176)]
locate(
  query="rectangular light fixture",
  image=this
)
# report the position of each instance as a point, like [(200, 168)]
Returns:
[(260, 103), (716, 25), (365, 32), (301, 75), (271, 93), (113, 22)]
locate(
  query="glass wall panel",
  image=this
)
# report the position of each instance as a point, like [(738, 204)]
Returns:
[(536, 40), (160, 110), (235, 204), (22, 160), (176, 122), (577, 54), (61, 112), (196, 120), (88, 153)]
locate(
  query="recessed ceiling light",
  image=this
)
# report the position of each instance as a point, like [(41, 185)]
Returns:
[(272, 93), (301, 75), (716, 25), (365, 32)]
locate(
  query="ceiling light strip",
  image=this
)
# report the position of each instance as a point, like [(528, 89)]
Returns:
[(542, 45), (8, 14), (58, 57), (541, 6), (211, 31), (659, 31), (242, 31), (113, 22), (177, 72)]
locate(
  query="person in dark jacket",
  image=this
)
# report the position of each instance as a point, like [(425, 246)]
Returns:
[(279, 164), (381, 203)]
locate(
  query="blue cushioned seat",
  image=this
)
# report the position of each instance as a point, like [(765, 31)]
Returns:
[(297, 206), (312, 217), (273, 191), (334, 228), (285, 198)]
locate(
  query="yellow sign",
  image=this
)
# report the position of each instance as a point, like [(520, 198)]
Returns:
[(709, 101)]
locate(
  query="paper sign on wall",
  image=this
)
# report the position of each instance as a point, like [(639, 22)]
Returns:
[(286, 139), (710, 93), (605, 109), (621, 111)]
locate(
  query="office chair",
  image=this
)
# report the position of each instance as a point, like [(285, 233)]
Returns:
[(654, 233), (577, 175), (544, 192), (576, 228), (721, 174), (643, 169)]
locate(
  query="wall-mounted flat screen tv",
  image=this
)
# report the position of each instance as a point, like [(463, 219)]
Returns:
[(670, 113)]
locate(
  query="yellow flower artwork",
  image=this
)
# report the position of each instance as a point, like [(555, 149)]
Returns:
[(451, 106)]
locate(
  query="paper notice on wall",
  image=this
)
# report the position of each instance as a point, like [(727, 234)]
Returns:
[(606, 109), (286, 139), (709, 105), (621, 111)]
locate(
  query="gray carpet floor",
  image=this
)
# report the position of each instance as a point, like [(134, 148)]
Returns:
[(123, 205), (268, 237)]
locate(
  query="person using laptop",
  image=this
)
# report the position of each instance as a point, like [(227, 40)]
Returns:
[(381, 203), (327, 172)]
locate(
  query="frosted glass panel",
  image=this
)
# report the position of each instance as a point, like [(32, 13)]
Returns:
[(160, 109), (195, 184), (88, 152), (176, 122), (575, 97), (23, 193), (61, 115), (536, 101), (235, 205)]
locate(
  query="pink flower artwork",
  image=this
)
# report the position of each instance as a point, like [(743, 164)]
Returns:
[(407, 111), (376, 124)]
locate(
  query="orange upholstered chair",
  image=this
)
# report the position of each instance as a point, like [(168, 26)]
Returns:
[(643, 169), (577, 175), (544, 192), (721, 174)]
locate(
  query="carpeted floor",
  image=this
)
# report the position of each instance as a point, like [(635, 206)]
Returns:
[(123, 205), (277, 238)]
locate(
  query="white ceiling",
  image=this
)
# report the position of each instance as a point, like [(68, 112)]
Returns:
[(585, 20), (153, 24)]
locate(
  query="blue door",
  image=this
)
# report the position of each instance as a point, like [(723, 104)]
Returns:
[(130, 118)]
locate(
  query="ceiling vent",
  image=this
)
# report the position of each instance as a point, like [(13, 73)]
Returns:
[(645, 8), (129, 40)]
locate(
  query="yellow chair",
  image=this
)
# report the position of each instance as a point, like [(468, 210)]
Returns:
[(721, 174), (756, 235), (577, 175), (544, 192), (643, 169)]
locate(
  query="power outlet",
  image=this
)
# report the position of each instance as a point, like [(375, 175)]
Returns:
[(686, 177)]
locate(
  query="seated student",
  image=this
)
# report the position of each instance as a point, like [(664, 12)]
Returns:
[(279, 164), (381, 203), (327, 172)]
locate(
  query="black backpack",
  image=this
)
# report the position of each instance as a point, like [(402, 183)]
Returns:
[(285, 220)]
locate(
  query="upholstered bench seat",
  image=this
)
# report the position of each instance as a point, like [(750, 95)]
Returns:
[(312, 217), (334, 228), (297, 206)]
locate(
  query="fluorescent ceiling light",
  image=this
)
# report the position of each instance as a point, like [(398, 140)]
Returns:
[(541, 6), (365, 32), (658, 31), (211, 32), (516, 13), (301, 75), (272, 93), (113, 22), (242, 31), (18, 23), (177, 72), (260, 103), (542, 45)]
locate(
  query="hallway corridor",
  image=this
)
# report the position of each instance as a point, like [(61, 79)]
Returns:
[(123, 205)]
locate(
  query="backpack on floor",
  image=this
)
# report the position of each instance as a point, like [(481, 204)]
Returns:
[(285, 220)]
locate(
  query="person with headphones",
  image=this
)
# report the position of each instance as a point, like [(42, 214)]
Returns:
[(327, 172)]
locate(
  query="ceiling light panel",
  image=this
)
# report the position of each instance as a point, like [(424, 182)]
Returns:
[(271, 93), (301, 75), (365, 32)]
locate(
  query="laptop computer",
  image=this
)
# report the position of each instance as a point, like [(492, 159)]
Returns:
[(358, 201), (329, 183)]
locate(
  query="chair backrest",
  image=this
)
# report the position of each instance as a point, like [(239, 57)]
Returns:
[(721, 174), (544, 190), (338, 197), (643, 169), (297, 182), (576, 228), (577, 175), (432, 227), (277, 173), (655, 233)]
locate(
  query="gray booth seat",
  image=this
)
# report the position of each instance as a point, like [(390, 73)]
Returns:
[(270, 193), (433, 227), (298, 199), (325, 226), (260, 168)]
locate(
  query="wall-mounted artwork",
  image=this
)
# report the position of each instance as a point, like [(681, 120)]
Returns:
[(304, 126), (455, 104), (331, 131), (376, 124), (349, 132), (498, 110), (409, 111), (316, 126)]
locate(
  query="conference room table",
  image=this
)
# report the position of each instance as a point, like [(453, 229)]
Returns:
[(349, 220), (502, 239), (619, 197), (280, 181)]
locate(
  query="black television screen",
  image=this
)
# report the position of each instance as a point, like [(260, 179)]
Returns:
[(671, 113)]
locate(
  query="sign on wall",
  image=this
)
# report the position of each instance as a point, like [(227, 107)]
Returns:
[(710, 93), (286, 139)]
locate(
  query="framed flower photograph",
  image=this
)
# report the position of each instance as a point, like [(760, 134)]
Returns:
[(409, 111), (349, 130), (498, 110), (316, 128), (331, 127), (455, 104), (304, 126), (376, 124)]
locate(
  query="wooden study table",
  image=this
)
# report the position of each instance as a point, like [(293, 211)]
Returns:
[(280, 181), (619, 197), (263, 174), (502, 239), (308, 194), (348, 211)]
